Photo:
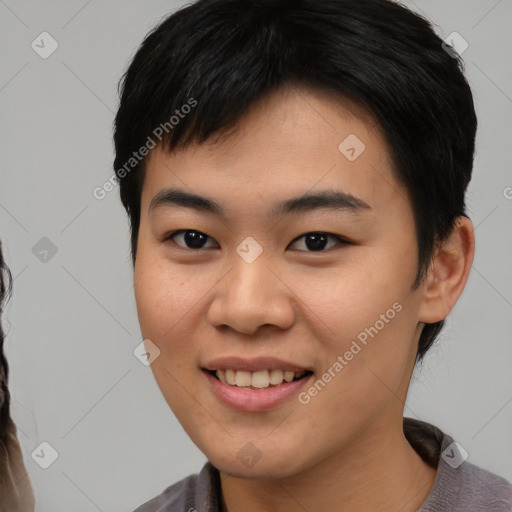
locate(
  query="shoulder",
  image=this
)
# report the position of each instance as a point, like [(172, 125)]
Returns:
[(468, 487), (479, 489), (198, 493), (459, 485), (172, 498)]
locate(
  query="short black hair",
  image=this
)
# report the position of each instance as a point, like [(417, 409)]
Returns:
[(222, 56)]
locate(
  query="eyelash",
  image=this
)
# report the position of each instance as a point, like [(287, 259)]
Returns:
[(172, 234)]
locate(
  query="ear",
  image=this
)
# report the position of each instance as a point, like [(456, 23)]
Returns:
[(448, 273)]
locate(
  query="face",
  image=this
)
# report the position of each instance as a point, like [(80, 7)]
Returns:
[(321, 286)]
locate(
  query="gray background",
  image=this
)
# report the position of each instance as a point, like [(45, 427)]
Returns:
[(72, 324)]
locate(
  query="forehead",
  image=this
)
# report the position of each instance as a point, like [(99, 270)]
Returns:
[(292, 142)]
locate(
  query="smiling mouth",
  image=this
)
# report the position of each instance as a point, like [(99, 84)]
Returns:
[(263, 379)]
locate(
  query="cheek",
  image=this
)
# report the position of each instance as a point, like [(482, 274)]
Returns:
[(351, 297), (161, 293), (170, 300), (160, 298), (367, 319), (161, 310)]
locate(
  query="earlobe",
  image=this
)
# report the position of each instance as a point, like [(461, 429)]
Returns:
[(448, 273)]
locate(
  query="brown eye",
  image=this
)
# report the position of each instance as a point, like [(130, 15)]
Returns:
[(195, 240), (192, 239), (317, 242)]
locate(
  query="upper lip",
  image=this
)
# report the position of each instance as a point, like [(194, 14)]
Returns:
[(253, 365)]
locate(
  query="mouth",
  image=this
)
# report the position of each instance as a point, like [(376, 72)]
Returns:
[(258, 380), (255, 391)]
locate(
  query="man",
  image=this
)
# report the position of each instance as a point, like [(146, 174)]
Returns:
[(294, 173)]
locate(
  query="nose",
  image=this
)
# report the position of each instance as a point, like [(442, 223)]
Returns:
[(252, 295)]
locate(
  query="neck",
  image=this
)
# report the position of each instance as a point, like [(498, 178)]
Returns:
[(378, 472)]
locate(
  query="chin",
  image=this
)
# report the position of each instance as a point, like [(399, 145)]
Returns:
[(252, 464)]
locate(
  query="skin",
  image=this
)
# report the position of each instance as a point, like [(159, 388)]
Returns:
[(346, 446)]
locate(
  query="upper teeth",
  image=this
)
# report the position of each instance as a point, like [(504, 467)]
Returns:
[(260, 379)]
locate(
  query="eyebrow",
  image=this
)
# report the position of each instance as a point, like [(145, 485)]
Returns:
[(324, 199)]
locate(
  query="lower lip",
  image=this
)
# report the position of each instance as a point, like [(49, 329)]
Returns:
[(247, 399)]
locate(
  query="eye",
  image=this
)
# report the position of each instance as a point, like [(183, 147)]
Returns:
[(192, 239), (317, 241)]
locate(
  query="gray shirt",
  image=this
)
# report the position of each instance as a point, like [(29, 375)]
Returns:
[(459, 485)]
